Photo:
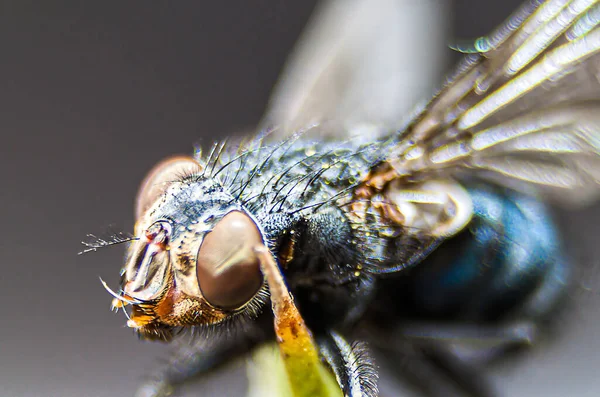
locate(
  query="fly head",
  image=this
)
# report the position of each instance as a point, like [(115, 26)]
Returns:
[(193, 261)]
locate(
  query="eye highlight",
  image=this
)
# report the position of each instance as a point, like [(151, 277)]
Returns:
[(228, 270)]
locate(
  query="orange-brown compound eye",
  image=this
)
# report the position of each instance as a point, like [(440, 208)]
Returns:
[(160, 177), (228, 270)]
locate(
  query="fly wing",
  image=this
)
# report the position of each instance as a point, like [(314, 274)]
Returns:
[(523, 110), (359, 63)]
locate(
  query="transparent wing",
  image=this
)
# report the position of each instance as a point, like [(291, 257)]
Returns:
[(522, 111), (359, 63)]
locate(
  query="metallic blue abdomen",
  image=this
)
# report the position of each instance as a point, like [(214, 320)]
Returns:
[(508, 260)]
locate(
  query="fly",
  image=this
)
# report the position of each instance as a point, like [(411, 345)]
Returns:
[(431, 243)]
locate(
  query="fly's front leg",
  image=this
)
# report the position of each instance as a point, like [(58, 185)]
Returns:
[(192, 359), (351, 365)]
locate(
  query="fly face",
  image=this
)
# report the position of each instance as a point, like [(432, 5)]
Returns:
[(192, 263)]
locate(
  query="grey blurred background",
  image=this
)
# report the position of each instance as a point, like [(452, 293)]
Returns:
[(91, 96)]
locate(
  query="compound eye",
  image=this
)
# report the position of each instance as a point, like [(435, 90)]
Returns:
[(228, 270), (160, 178)]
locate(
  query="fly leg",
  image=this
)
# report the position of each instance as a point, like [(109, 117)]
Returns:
[(441, 359), (433, 371), (351, 365), (475, 343), (192, 359)]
